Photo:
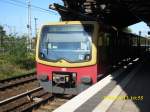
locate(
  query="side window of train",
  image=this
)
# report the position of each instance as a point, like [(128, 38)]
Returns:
[(134, 41), (100, 38), (104, 39), (107, 37)]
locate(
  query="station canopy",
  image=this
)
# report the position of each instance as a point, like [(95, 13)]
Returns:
[(118, 13)]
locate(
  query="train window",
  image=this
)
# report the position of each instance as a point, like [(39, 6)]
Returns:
[(100, 41), (69, 42), (104, 39)]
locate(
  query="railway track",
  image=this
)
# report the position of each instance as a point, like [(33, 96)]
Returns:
[(14, 86), (34, 100), (11, 82), (55, 103), (24, 101), (23, 94)]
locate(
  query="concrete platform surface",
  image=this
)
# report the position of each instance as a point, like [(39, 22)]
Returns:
[(128, 92), (137, 93)]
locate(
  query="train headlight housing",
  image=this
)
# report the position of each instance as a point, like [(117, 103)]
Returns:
[(86, 80), (42, 77)]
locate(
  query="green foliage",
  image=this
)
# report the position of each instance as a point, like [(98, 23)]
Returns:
[(17, 53), (7, 70), (14, 57)]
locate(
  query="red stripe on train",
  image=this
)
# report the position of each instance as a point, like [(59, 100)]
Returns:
[(81, 71)]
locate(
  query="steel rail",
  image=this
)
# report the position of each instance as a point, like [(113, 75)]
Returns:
[(19, 96), (26, 79), (36, 105), (4, 86), (19, 76)]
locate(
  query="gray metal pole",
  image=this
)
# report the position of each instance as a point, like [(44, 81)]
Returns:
[(35, 26), (29, 25)]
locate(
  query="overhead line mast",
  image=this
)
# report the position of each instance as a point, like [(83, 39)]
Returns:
[(29, 26), (35, 19)]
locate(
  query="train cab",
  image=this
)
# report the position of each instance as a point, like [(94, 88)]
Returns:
[(66, 56)]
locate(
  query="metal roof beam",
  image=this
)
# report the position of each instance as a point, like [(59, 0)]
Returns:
[(70, 12)]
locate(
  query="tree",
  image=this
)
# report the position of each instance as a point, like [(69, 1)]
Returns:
[(2, 34)]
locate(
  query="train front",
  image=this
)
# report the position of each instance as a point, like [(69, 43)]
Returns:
[(66, 56)]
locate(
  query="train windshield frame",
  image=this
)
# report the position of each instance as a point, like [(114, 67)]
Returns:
[(72, 43)]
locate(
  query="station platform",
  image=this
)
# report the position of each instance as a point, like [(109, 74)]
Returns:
[(126, 90)]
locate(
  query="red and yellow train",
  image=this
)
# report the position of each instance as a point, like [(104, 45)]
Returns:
[(71, 55)]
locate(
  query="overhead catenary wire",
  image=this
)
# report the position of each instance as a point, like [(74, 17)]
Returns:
[(34, 6), (24, 5), (15, 4)]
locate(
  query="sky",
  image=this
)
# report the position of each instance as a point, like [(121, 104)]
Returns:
[(141, 26), (14, 16)]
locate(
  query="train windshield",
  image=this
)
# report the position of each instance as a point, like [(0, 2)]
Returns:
[(69, 42)]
